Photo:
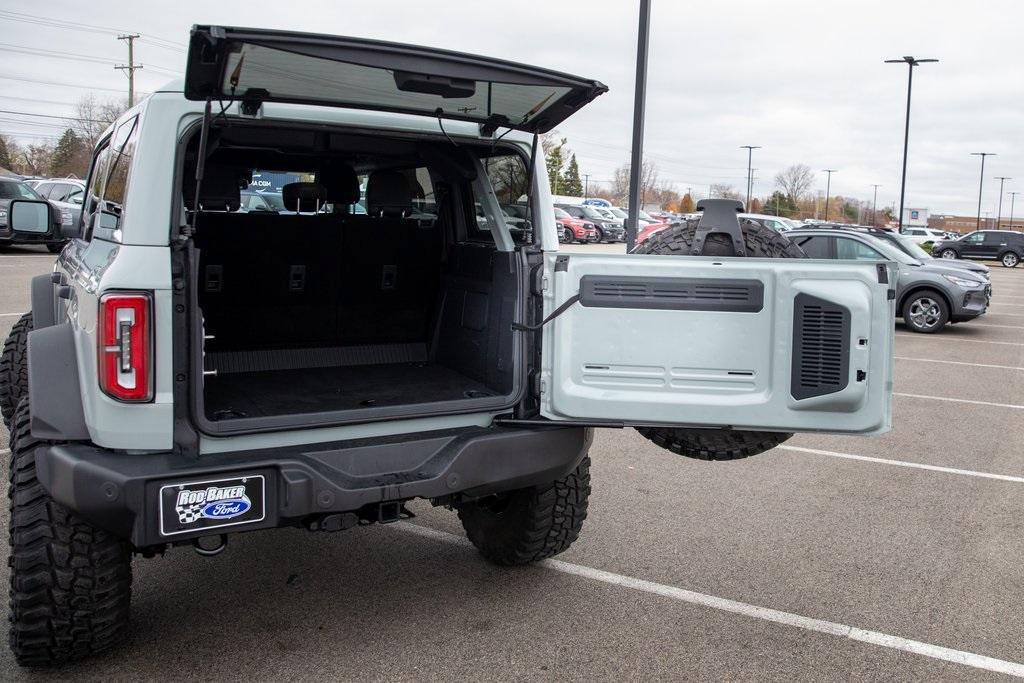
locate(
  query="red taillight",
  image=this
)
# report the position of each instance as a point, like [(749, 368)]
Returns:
[(126, 346)]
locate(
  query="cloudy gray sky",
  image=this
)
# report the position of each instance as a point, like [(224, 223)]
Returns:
[(804, 79)]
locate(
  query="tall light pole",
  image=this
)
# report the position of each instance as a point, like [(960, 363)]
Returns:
[(828, 188), (639, 104), (750, 157), (981, 181), (874, 204), (911, 62), (1013, 196), (586, 185), (999, 213)]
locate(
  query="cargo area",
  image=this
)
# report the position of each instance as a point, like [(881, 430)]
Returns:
[(376, 291)]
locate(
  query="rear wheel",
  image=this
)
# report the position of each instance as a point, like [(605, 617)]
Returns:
[(14, 368), (948, 254), (70, 582), (531, 524), (600, 235), (1009, 260), (925, 311), (716, 444)]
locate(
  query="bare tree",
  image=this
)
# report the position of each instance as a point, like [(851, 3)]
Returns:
[(795, 181), (648, 183), (93, 117), (36, 159), (724, 191)]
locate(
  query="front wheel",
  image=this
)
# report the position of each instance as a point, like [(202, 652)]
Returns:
[(14, 368), (925, 312), (568, 236), (531, 524), (70, 582), (948, 254), (600, 235), (1010, 260)]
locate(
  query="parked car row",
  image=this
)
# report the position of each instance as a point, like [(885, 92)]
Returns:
[(1004, 246)]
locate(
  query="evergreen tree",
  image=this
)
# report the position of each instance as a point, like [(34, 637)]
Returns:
[(571, 183), (780, 204), (5, 154), (66, 154), (555, 162)]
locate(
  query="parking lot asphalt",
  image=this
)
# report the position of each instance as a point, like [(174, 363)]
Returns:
[(830, 557)]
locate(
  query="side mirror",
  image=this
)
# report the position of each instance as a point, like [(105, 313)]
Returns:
[(29, 216)]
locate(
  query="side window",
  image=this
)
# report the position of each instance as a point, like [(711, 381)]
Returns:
[(509, 178), (116, 187), (994, 238), (816, 247), (44, 189), (853, 250), (97, 174), (974, 238)]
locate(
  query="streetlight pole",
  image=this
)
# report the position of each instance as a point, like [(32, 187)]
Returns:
[(999, 213), (981, 182), (1013, 196), (874, 204), (828, 188), (911, 62), (586, 185), (750, 157), (639, 103)]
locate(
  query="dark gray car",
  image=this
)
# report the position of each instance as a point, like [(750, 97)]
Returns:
[(929, 294)]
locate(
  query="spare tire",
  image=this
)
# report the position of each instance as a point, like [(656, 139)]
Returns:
[(717, 444)]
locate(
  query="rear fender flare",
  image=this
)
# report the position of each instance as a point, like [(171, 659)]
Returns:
[(55, 395)]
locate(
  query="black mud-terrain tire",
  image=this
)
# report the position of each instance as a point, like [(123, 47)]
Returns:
[(717, 444), (14, 368), (531, 524), (70, 582)]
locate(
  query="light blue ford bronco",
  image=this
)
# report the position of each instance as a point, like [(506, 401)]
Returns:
[(378, 332)]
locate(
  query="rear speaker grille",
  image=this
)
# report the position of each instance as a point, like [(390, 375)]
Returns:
[(821, 347)]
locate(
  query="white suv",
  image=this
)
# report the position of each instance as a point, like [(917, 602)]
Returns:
[(191, 370)]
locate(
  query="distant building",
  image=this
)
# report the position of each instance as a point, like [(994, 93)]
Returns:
[(965, 224), (915, 218)]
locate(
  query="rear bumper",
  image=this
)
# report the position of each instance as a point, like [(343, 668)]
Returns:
[(121, 493)]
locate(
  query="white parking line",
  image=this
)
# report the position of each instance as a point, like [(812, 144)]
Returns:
[(1008, 315), (957, 362), (11, 315), (939, 338), (831, 628), (1008, 327), (961, 400), (904, 463)]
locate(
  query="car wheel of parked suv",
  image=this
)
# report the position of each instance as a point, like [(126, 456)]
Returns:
[(531, 524), (1009, 260), (948, 254), (14, 368), (70, 582), (600, 235), (925, 312), (567, 236), (717, 444)]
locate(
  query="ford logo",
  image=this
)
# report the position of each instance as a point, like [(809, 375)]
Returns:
[(226, 509)]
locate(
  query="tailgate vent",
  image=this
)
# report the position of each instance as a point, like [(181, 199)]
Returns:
[(672, 293), (821, 347)]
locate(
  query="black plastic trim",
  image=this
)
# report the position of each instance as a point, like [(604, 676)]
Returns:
[(821, 347), (672, 293), (53, 389), (43, 308)]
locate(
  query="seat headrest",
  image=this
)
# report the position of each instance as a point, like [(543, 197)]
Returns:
[(340, 183), (388, 194), (303, 196), (220, 189)]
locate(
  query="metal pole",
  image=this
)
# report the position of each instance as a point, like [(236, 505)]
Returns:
[(750, 157), (586, 185), (639, 100), (999, 213), (828, 188), (911, 62), (131, 67), (981, 183), (1013, 196), (874, 205)]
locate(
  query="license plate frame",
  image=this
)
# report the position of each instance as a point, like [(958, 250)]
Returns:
[(211, 504)]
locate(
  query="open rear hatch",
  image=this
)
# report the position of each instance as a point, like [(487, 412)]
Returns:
[(257, 65)]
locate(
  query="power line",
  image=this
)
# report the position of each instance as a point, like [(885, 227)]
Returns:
[(74, 56), (64, 85), (87, 28), (51, 116)]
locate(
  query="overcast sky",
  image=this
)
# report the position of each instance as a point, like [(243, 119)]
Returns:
[(803, 79)]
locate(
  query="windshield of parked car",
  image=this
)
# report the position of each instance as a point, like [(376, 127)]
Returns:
[(592, 213), (893, 253), (17, 190), (912, 248), (618, 213), (561, 213)]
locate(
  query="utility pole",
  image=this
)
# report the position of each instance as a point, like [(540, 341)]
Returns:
[(1013, 196), (586, 185), (828, 188), (639, 104), (981, 182), (874, 205), (130, 67), (750, 158), (911, 62), (999, 214)]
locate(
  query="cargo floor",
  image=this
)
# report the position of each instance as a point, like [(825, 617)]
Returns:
[(316, 390)]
